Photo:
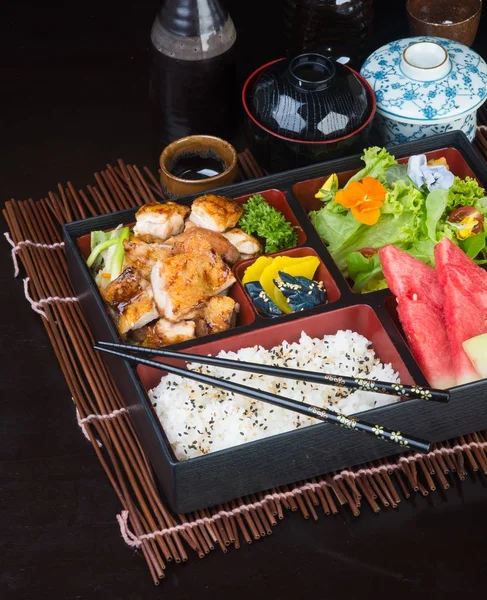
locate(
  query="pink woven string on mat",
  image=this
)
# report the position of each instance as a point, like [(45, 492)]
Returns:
[(136, 541), (81, 421), (36, 305), (16, 248)]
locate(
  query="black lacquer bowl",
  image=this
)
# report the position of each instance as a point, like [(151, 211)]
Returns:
[(305, 110)]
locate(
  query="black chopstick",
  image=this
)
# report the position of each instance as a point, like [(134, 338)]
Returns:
[(354, 383), (323, 414)]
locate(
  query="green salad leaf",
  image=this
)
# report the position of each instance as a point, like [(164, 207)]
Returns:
[(365, 272), (263, 220), (336, 227), (423, 250), (472, 246), (464, 192), (436, 203), (396, 173), (403, 196), (377, 162), (390, 229)]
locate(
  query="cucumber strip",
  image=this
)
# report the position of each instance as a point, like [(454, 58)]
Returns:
[(119, 253), (97, 237), (98, 249)]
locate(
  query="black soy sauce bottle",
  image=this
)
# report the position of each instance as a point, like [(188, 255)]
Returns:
[(193, 71), (337, 28)]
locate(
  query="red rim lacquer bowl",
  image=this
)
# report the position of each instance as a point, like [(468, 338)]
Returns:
[(277, 152)]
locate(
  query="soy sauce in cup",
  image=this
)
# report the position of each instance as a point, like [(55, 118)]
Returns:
[(195, 166), (197, 163)]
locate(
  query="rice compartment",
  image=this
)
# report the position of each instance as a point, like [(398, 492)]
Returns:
[(199, 419)]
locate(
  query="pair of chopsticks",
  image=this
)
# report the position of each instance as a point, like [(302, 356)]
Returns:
[(324, 414)]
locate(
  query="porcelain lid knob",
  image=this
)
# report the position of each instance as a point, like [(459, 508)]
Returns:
[(425, 61)]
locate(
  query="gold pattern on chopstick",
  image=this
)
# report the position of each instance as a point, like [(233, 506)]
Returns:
[(400, 389), (396, 436), (334, 379), (425, 394), (365, 384), (379, 431), (347, 421)]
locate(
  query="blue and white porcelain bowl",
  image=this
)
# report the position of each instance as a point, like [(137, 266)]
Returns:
[(425, 86)]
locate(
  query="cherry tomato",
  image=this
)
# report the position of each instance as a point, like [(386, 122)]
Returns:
[(461, 213), (367, 252)]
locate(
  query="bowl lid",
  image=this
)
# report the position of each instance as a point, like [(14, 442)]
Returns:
[(309, 98), (426, 79)]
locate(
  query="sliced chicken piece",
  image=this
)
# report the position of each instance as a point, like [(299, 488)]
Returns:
[(217, 213), (184, 282), (143, 257), (164, 333), (131, 296), (217, 241), (160, 221), (246, 244), (189, 225), (219, 314)]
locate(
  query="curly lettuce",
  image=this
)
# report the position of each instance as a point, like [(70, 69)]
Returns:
[(464, 192), (377, 162)]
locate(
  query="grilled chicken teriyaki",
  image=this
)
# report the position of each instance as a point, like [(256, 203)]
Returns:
[(177, 271), (157, 222), (215, 212)]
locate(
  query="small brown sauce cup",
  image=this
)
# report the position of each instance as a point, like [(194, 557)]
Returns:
[(209, 149), (457, 21)]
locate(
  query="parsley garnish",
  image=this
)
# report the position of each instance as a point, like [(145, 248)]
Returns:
[(263, 220)]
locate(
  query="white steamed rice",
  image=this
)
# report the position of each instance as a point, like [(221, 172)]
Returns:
[(199, 419)]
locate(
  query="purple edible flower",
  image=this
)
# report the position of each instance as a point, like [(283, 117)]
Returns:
[(433, 176)]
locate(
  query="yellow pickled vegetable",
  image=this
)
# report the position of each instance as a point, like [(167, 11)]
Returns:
[(270, 273), (254, 272), (304, 266), (331, 184)]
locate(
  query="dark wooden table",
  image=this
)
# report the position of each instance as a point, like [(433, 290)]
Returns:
[(73, 86)]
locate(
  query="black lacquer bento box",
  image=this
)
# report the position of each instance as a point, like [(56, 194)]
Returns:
[(258, 465)]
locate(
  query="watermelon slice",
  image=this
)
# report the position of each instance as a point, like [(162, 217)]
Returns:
[(454, 267), (420, 311), (465, 288), (424, 327), (407, 276)]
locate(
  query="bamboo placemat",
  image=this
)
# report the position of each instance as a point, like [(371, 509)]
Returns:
[(146, 523)]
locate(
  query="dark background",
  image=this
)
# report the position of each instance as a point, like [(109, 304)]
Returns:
[(74, 96)]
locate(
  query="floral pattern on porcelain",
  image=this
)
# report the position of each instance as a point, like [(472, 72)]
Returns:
[(395, 132), (462, 91)]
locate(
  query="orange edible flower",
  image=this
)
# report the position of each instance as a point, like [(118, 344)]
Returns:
[(364, 198)]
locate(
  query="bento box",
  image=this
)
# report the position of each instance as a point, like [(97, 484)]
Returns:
[(281, 459)]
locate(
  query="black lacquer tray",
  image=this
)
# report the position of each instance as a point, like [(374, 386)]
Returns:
[(221, 476)]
